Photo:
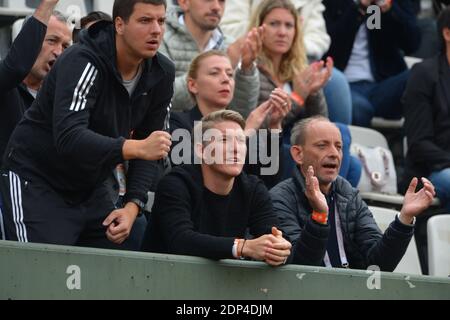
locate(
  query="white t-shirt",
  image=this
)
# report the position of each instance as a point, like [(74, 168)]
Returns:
[(358, 67)]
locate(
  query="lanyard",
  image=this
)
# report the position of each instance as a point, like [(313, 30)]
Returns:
[(340, 240)]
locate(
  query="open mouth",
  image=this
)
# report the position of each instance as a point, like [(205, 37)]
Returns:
[(330, 166), (153, 43), (51, 63)]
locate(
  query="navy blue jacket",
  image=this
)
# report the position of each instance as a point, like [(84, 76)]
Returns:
[(364, 243), (399, 34), (427, 118), (14, 96)]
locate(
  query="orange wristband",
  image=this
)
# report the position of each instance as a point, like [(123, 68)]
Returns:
[(297, 98), (321, 218)]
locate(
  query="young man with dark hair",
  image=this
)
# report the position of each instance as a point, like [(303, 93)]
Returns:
[(42, 39), (214, 210), (102, 104), (427, 110), (326, 219)]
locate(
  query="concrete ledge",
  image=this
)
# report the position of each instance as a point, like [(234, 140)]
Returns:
[(32, 271)]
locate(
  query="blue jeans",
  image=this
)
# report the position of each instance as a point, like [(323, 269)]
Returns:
[(339, 98), (350, 166), (378, 99), (441, 182)]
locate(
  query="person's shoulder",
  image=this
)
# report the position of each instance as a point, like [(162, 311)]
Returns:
[(286, 186), (427, 66), (344, 188), (181, 120), (166, 64)]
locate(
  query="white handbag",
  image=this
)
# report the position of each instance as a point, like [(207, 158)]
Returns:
[(378, 169)]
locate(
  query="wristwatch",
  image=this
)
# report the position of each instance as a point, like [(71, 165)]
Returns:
[(140, 204)]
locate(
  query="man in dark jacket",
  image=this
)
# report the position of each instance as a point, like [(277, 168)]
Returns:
[(41, 40), (326, 219), (208, 210), (101, 104), (371, 58), (427, 115)]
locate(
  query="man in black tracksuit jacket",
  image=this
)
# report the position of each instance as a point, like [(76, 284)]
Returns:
[(101, 105)]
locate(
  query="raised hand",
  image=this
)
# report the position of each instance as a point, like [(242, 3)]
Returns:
[(246, 49), (416, 202), (385, 5), (315, 197), (313, 78), (281, 105), (257, 117), (44, 10), (252, 48)]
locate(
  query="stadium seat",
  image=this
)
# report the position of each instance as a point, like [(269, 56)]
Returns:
[(104, 6), (368, 137), (438, 234), (372, 138), (14, 9), (410, 262), (382, 123)]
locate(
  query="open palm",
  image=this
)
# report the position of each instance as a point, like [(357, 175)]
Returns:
[(315, 196), (416, 202)]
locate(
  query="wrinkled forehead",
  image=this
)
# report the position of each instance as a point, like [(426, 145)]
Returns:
[(323, 131), (59, 29)]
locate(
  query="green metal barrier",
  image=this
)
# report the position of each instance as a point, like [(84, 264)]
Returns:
[(30, 271)]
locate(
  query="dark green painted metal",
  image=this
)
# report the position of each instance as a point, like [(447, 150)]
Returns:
[(33, 271)]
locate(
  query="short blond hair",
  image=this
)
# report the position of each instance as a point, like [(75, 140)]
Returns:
[(212, 119)]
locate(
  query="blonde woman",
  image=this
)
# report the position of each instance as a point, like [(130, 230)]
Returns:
[(210, 81), (283, 62)]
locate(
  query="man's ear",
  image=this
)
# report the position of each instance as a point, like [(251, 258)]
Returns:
[(183, 4), (297, 154), (446, 34), (119, 24), (198, 151)]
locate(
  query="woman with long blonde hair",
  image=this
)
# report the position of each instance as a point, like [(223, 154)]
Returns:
[(283, 62)]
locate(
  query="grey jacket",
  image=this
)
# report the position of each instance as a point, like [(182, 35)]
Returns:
[(180, 46), (364, 243), (314, 104)]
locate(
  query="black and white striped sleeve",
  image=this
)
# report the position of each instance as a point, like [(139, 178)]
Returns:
[(76, 93)]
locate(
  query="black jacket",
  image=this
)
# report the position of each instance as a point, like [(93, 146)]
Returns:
[(181, 220), (427, 117), (14, 96), (399, 34), (364, 243), (72, 136), (185, 120)]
